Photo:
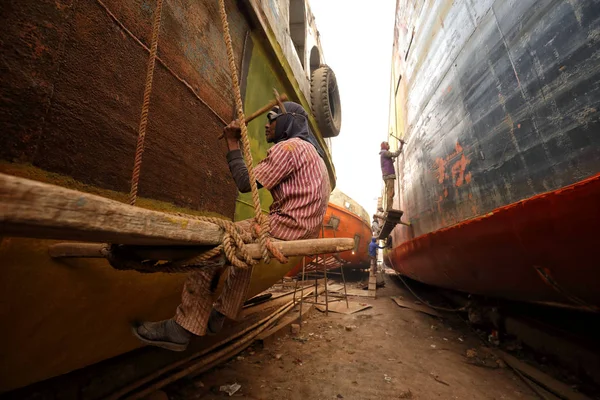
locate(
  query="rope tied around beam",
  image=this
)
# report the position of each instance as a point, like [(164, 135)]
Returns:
[(234, 238), (261, 220), (232, 249)]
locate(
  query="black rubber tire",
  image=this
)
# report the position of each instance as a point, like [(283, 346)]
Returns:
[(326, 104)]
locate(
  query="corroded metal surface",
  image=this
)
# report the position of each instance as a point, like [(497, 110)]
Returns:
[(498, 101), (71, 84)]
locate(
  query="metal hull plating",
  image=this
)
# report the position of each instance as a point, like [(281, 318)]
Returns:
[(71, 88), (498, 101)]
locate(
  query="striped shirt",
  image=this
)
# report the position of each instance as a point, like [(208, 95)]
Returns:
[(297, 178)]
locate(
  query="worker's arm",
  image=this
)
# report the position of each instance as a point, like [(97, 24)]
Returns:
[(394, 154), (237, 166)]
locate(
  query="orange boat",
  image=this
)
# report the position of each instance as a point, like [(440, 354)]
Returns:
[(344, 218)]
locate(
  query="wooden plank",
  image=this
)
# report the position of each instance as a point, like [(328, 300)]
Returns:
[(40, 210), (340, 308), (416, 307), (540, 391), (562, 390), (359, 292), (278, 330), (392, 218), (288, 248)]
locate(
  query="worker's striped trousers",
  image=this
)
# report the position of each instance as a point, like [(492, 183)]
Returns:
[(197, 297)]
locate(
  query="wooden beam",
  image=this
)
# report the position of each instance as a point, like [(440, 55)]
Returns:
[(262, 110), (561, 389), (288, 248), (40, 210)]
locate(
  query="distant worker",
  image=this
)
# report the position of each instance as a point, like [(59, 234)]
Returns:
[(388, 171), (380, 215), (295, 174), (375, 225), (373, 246)]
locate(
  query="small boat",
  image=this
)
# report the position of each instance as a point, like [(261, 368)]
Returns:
[(345, 218), (72, 88), (500, 178)]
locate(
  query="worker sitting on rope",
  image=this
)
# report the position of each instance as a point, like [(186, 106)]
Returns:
[(295, 174)]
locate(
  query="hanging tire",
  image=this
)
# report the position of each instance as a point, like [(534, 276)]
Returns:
[(326, 104)]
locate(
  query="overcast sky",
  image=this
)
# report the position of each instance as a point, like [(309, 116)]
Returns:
[(357, 38)]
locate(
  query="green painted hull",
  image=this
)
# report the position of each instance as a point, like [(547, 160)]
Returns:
[(77, 126)]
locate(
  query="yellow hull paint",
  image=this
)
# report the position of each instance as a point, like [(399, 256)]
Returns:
[(63, 315), (59, 316)]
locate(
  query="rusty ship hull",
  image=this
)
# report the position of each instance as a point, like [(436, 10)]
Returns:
[(498, 102), (71, 90)]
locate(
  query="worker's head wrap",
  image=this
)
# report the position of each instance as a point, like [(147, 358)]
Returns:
[(373, 239), (385, 145), (293, 124)]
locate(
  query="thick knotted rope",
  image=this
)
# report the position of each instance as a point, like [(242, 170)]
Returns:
[(233, 248), (261, 220), (234, 238)]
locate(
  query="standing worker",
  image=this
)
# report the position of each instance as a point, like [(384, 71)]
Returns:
[(295, 174), (373, 246), (388, 171), (375, 225), (380, 217)]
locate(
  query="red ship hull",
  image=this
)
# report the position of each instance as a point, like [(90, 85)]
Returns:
[(543, 250), (349, 225)]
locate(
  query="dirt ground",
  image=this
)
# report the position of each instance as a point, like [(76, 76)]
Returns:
[(385, 352)]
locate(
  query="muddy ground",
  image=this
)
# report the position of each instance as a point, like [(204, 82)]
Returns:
[(385, 352)]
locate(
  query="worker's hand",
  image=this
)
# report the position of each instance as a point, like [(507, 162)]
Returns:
[(402, 141), (232, 131)]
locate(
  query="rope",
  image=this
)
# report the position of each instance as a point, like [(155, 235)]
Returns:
[(121, 258), (463, 308), (261, 220), (233, 249), (137, 165), (161, 61), (234, 238)]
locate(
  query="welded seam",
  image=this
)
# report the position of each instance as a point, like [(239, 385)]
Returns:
[(525, 97), (161, 62), (436, 89)]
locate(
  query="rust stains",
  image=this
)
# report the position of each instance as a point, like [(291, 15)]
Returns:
[(441, 169), (32, 38), (457, 170), (457, 176)]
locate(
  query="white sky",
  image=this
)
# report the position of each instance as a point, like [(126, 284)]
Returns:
[(357, 38)]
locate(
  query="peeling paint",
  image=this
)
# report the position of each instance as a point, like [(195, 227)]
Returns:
[(513, 83)]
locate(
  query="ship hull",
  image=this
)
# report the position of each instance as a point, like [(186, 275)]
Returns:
[(348, 225), (498, 102), (72, 85), (540, 250)]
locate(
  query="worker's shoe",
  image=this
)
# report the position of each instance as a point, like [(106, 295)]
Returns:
[(167, 334), (215, 322)]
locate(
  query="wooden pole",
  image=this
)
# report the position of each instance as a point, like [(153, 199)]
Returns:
[(40, 210), (263, 109), (288, 248)]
